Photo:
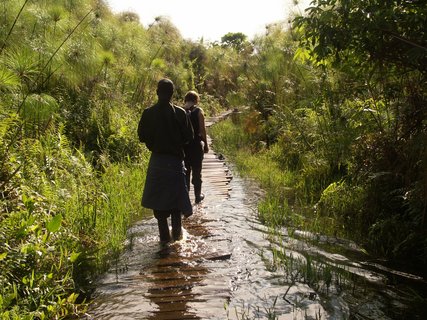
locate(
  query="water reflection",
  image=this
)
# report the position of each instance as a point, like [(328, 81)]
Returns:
[(229, 266), (171, 282)]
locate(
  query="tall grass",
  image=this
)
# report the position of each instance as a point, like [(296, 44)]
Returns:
[(259, 163), (122, 186), (61, 221), (290, 199)]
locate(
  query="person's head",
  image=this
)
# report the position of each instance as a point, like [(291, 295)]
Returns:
[(165, 89), (191, 96)]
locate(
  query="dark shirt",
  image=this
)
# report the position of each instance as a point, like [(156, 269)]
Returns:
[(193, 113), (165, 129), (194, 150)]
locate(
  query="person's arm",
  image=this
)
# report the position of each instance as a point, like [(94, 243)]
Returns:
[(202, 130), (141, 129), (145, 129)]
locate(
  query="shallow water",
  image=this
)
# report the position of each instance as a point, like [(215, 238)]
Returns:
[(226, 267)]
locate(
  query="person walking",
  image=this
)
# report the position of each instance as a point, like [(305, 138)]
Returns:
[(165, 129), (194, 151)]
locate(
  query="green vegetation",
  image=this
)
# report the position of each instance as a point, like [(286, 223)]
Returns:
[(74, 79), (335, 130), (336, 125)]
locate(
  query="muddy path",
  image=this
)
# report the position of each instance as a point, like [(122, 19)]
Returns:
[(226, 267)]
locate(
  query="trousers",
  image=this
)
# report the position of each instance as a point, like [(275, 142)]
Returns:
[(193, 166), (162, 221)]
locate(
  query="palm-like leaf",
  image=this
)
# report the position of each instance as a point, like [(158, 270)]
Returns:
[(23, 63), (8, 80), (39, 108)]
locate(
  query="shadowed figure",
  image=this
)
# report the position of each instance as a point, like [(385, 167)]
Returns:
[(165, 129), (194, 151)]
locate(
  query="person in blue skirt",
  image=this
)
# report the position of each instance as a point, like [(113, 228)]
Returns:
[(165, 129)]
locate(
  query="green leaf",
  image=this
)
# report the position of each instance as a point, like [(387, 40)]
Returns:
[(3, 256), (55, 223), (72, 298), (8, 80), (74, 256), (39, 107), (28, 202)]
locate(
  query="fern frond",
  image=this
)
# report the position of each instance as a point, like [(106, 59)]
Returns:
[(8, 122)]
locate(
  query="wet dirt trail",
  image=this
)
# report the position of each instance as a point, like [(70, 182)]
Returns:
[(224, 268)]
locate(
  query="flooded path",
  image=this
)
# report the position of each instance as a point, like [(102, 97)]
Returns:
[(229, 266)]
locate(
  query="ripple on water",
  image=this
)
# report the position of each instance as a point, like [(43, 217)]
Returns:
[(227, 267)]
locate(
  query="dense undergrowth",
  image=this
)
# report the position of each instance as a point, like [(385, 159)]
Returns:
[(335, 127), (314, 197), (61, 219), (74, 78)]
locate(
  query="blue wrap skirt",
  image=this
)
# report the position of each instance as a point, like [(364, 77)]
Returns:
[(165, 187)]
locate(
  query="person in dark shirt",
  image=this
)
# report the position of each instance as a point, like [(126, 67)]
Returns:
[(165, 129), (194, 151)]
